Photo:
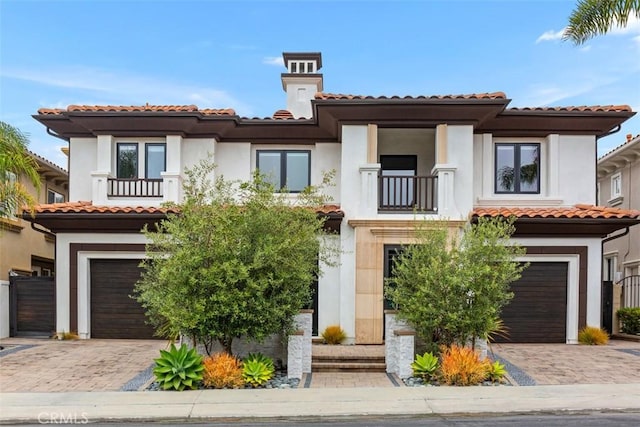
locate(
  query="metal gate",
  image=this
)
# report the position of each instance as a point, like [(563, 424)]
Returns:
[(32, 309)]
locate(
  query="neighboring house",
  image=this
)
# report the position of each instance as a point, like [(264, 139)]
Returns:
[(619, 186), (26, 249), (398, 160)]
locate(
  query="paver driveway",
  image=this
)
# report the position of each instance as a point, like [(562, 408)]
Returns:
[(617, 363), (82, 365)]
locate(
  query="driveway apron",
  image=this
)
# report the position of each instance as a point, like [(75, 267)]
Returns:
[(615, 363), (44, 365)]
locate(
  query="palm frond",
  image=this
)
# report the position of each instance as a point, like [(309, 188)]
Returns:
[(596, 17)]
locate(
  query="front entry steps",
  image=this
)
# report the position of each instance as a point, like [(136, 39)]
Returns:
[(347, 358)]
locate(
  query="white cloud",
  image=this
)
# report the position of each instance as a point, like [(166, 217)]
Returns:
[(273, 60), (88, 84), (632, 27), (550, 36), (585, 48)]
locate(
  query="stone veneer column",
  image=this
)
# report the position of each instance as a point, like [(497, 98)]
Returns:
[(299, 346), (399, 345), (294, 355)]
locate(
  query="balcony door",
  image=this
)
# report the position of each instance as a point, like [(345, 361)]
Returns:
[(397, 186)]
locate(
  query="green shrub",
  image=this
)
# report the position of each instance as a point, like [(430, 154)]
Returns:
[(591, 335), (495, 372), (333, 334), (257, 369), (425, 366), (178, 368), (629, 320)]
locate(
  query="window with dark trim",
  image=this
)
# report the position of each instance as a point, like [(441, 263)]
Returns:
[(127, 160), (290, 169), (54, 197), (155, 160), (517, 168)]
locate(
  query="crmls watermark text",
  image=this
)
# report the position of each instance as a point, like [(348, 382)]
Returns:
[(63, 418)]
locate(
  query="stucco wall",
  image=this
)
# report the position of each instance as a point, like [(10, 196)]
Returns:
[(567, 171), (82, 161), (625, 249), (19, 242)]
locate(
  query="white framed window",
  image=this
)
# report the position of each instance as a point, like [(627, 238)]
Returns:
[(616, 185), (54, 197), (609, 267)]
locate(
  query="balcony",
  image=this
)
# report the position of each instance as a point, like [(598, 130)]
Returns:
[(405, 193), (134, 187)]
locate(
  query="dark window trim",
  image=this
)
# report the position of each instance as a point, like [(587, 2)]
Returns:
[(146, 157), (516, 166), (122, 144), (64, 198), (283, 165)]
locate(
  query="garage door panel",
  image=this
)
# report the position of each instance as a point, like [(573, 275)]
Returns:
[(114, 314), (537, 312)]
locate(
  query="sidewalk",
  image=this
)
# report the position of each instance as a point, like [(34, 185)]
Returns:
[(326, 402)]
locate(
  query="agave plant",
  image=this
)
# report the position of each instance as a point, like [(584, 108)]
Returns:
[(257, 369), (425, 366), (179, 368), (495, 372)]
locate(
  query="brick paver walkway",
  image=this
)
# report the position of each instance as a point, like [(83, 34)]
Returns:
[(351, 380), (82, 365), (575, 364)]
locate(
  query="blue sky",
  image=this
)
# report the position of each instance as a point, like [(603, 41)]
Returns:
[(226, 54)]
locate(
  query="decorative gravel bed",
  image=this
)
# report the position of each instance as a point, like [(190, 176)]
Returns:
[(279, 381), (419, 382)]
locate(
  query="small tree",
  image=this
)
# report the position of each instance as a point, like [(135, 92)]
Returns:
[(15, 163), (236, 261), (452, 289)]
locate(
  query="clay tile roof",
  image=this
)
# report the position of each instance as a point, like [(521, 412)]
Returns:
[(88, 207), (51, 111), (630, 139), (330, 210), (282, 115), (577, 211), (582, 108), (340, 96), (218, 112), (137, 108)]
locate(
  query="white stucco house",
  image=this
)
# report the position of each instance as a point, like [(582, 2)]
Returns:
[(450, 157)]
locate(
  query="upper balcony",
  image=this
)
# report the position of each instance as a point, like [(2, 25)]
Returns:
[(407, 193)]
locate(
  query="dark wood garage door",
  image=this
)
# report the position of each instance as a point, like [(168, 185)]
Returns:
[(33, 306), (538, 311), (113, 313)]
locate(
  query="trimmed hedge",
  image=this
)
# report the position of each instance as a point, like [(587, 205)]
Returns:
[(629, 320)]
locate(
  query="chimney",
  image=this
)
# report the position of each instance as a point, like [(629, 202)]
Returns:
[(629, 137), (301, 81)]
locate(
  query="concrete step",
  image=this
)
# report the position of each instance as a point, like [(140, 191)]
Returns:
[(347, 367), (347, 359)]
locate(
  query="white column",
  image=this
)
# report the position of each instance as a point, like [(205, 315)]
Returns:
[(172, 180), (369, 190), (63, 287), (4, 309), (446, 201), (100, 176)]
